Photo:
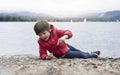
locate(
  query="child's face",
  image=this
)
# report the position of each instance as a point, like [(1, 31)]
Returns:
[(44, 35)]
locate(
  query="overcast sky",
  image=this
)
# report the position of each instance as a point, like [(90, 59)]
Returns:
[(59, 7)]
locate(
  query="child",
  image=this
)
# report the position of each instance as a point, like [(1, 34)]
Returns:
[(53, 40)]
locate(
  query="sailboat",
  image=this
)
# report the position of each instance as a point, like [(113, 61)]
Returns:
[(84, 20), (71, 20)]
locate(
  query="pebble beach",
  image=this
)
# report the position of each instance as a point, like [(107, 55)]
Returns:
[(32, 65)]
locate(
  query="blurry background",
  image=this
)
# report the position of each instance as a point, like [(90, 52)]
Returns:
[(94, 23)]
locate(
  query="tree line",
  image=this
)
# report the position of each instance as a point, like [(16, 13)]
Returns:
[(53, 19)]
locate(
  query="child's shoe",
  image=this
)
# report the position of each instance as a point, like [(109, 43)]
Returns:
[(95, 54)]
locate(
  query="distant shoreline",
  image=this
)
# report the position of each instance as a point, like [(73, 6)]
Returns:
[(63, 21), (113, 15)]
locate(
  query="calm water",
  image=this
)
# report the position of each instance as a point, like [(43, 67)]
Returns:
[(18, 38)]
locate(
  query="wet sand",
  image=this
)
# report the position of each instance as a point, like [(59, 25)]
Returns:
[(32, 65)]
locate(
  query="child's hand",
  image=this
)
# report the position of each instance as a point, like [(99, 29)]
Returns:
[(50, 56), (62, 39)]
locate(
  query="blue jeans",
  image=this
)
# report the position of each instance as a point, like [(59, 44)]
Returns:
[(75, 53)]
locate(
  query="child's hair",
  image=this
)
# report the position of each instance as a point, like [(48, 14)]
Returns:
[(41, 26)]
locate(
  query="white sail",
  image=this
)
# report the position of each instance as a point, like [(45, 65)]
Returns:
[(85, 20)]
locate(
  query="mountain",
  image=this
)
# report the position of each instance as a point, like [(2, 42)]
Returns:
[(90, 15), (30, 16), (24, 14), (112, 14), (102, 16), (108, 14)]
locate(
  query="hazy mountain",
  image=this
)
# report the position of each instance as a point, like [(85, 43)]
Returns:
[(94, 16), (108, 14), (112, 14), (24, 14), (89, 15)]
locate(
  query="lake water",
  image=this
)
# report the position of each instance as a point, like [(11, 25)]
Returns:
[(18, 38)]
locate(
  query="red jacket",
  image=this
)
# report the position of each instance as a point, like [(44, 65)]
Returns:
[(51, 44)]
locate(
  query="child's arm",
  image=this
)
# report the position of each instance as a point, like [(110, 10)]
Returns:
[(42, 51), (44, 55), (63, 35), (62, 39)]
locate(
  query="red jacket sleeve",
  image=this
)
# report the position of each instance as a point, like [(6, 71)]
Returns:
[(64, 32), (42, 52)]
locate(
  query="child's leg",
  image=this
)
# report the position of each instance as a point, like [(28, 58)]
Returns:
[(75, 53), (72, 48)]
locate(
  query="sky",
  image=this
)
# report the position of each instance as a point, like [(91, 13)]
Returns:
[(59, 7)]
